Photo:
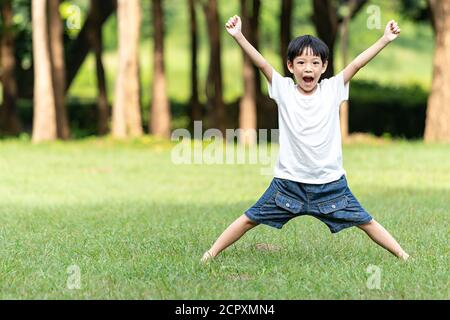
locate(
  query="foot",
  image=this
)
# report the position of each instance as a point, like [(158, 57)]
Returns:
[(207, 257), (403, 256)]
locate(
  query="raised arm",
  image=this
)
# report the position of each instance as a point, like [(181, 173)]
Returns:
[(234, 26), (391, 33)]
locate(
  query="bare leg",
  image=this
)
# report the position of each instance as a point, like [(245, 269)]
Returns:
[(231, 234), (382, 237)]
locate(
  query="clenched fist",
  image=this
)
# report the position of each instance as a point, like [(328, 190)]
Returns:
[(234, 25), (392, 30)]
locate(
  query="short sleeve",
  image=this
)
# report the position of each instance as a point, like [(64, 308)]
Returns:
[(342, 88), (276, 86)]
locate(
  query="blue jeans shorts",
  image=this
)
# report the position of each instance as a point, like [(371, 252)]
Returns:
[(332, 203)]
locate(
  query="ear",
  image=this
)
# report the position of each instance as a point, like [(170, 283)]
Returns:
[(324, 68), (290, 66)]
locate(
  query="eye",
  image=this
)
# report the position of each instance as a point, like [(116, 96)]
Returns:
[(316, 62), (300, 62)]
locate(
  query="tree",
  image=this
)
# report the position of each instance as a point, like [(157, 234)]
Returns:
[(56, 31), (44, 119), (9, 121), (127, 110), (195, 108), (160, 110), (285, 32), (266, 114), (437, 126), (96, 42), (254, 23), (327, 21), (344, 34), (247, 108), (76, 51), (214, 88)]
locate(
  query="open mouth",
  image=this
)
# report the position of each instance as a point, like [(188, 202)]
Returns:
[(308, 80)]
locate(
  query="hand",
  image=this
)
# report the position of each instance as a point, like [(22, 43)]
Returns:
[(392, 31), (234, 25)]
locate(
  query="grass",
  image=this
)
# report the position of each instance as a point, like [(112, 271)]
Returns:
[(136, 225)]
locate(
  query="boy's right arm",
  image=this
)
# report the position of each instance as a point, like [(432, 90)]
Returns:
[(233, 27)]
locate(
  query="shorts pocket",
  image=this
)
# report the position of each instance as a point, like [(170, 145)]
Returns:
[(288, 203), (333, 205)]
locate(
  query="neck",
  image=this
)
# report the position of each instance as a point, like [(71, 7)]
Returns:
[(306, 93)]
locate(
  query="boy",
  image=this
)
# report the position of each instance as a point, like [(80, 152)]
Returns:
[(309, 177)]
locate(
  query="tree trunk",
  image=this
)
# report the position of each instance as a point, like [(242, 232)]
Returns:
[(247, 108), (79, 48), (344, 28), (56, 30), (285, 33), (127, 111), (327, 23), (76, 52), (325, 20), (44, 119), (9, 121), (263, 116), (160, 116), (214, 92), (254, 22), (96, 42), (196, 111), (437, 126)]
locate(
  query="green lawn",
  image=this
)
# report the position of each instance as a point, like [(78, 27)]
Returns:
[(136, 226)]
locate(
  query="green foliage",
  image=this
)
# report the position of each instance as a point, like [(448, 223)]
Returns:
[(406, 63), (76, 12), (372, 92), (417, 10), (22, 33), (397, 111)]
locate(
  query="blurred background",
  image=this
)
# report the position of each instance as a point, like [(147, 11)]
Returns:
[(125, 68)]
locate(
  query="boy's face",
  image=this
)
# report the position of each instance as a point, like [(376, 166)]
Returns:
[(307, 69)]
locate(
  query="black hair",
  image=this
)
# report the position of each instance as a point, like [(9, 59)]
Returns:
[(298, 45)]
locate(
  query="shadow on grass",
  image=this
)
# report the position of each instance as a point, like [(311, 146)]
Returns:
[(127, 248)]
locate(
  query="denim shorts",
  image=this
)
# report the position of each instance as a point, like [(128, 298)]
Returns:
[(332, 203)]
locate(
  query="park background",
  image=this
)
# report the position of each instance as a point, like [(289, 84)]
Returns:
[(94, 207)]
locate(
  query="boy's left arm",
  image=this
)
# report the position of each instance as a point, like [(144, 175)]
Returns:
[(391, 33)]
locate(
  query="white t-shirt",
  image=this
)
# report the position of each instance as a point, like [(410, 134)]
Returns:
[(309, 130)]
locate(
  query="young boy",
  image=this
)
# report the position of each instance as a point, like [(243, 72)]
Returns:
[(309, 178)]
